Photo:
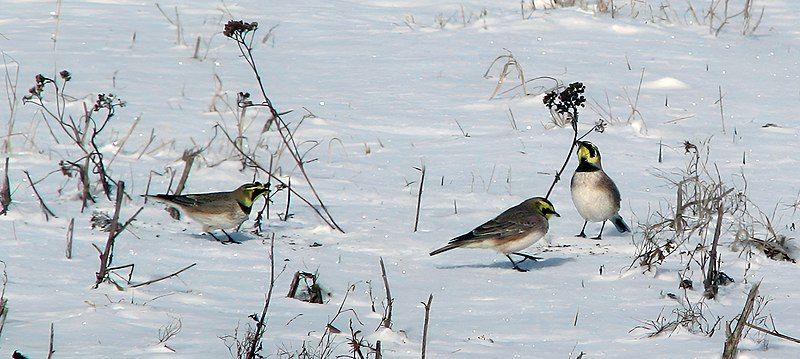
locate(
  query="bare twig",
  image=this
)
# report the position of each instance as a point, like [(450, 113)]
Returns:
[(3, 300), (5, 190), (419, 196), (164, 277), (50, 349), (773, 333), (124, 140), (314, 290), (243, 34), (255, 342), (288, 200), (511, 62), (386, 322), (106, 256), (732, 343), (46, 210), (711, 281), (328, 220), (70, 228), (188, 158), (425, 326)]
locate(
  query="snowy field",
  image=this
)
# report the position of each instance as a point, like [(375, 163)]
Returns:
[(394, 86)]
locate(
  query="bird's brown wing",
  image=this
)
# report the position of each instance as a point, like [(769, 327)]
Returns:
[(513, 221), (181, 200), (606, 182)]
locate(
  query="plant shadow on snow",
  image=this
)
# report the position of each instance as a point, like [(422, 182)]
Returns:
[(527, 265)]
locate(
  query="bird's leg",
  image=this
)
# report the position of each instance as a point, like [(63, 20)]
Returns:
[(583, 233), (527, 256), (230, 239), (515, 264), (215, 237), (600, 235)]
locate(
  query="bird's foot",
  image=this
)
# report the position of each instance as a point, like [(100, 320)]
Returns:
[(582, 235), (526, 256), (518, 269), (225, 242), (599, 237)]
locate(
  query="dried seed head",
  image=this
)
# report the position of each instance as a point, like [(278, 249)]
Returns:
[(238, 28)]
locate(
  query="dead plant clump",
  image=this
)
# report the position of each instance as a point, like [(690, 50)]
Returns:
[(704, 211)]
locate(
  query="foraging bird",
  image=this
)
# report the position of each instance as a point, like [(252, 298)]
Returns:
[(517, 228), (594, 194), (217, 210)]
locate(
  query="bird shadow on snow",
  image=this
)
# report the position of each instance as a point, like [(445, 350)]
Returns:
[(527, 265), (238, 237)]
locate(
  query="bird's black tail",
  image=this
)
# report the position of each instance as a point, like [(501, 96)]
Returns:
[(454, 243), (622, 227), (446, 248)]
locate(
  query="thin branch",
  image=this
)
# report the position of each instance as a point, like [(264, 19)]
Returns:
[(711, 281), (164, 277), (45, 209), (243, 33), (328, 220), (5, 190), (419, 196), (70, 230), (773, 333), (732, 342), (261, 324), (387, 319), (425, 326), (50, 349), (106, 256)]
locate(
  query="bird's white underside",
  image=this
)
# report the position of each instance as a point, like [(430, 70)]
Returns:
[(592, 202), (511, 246)]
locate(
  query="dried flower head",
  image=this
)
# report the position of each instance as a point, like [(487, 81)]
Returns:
[(568, 100), (65, 75), (38, 88), (600, 126), (107, 102), (243, 99), (237, 29), (689, 147)]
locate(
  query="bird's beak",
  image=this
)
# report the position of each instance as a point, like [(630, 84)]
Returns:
[(556, 214)]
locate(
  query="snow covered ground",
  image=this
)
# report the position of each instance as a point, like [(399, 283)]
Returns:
[(396, 85)]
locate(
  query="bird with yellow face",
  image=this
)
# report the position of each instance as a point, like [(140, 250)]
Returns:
[(217, 210), (594, 194), (515, 229)]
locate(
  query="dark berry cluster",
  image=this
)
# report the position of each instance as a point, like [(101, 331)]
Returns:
[(568, 100), (237, 29)]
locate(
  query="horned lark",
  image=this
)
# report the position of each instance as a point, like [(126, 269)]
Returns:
[(517, 228), (594, 194), (217, 210)]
